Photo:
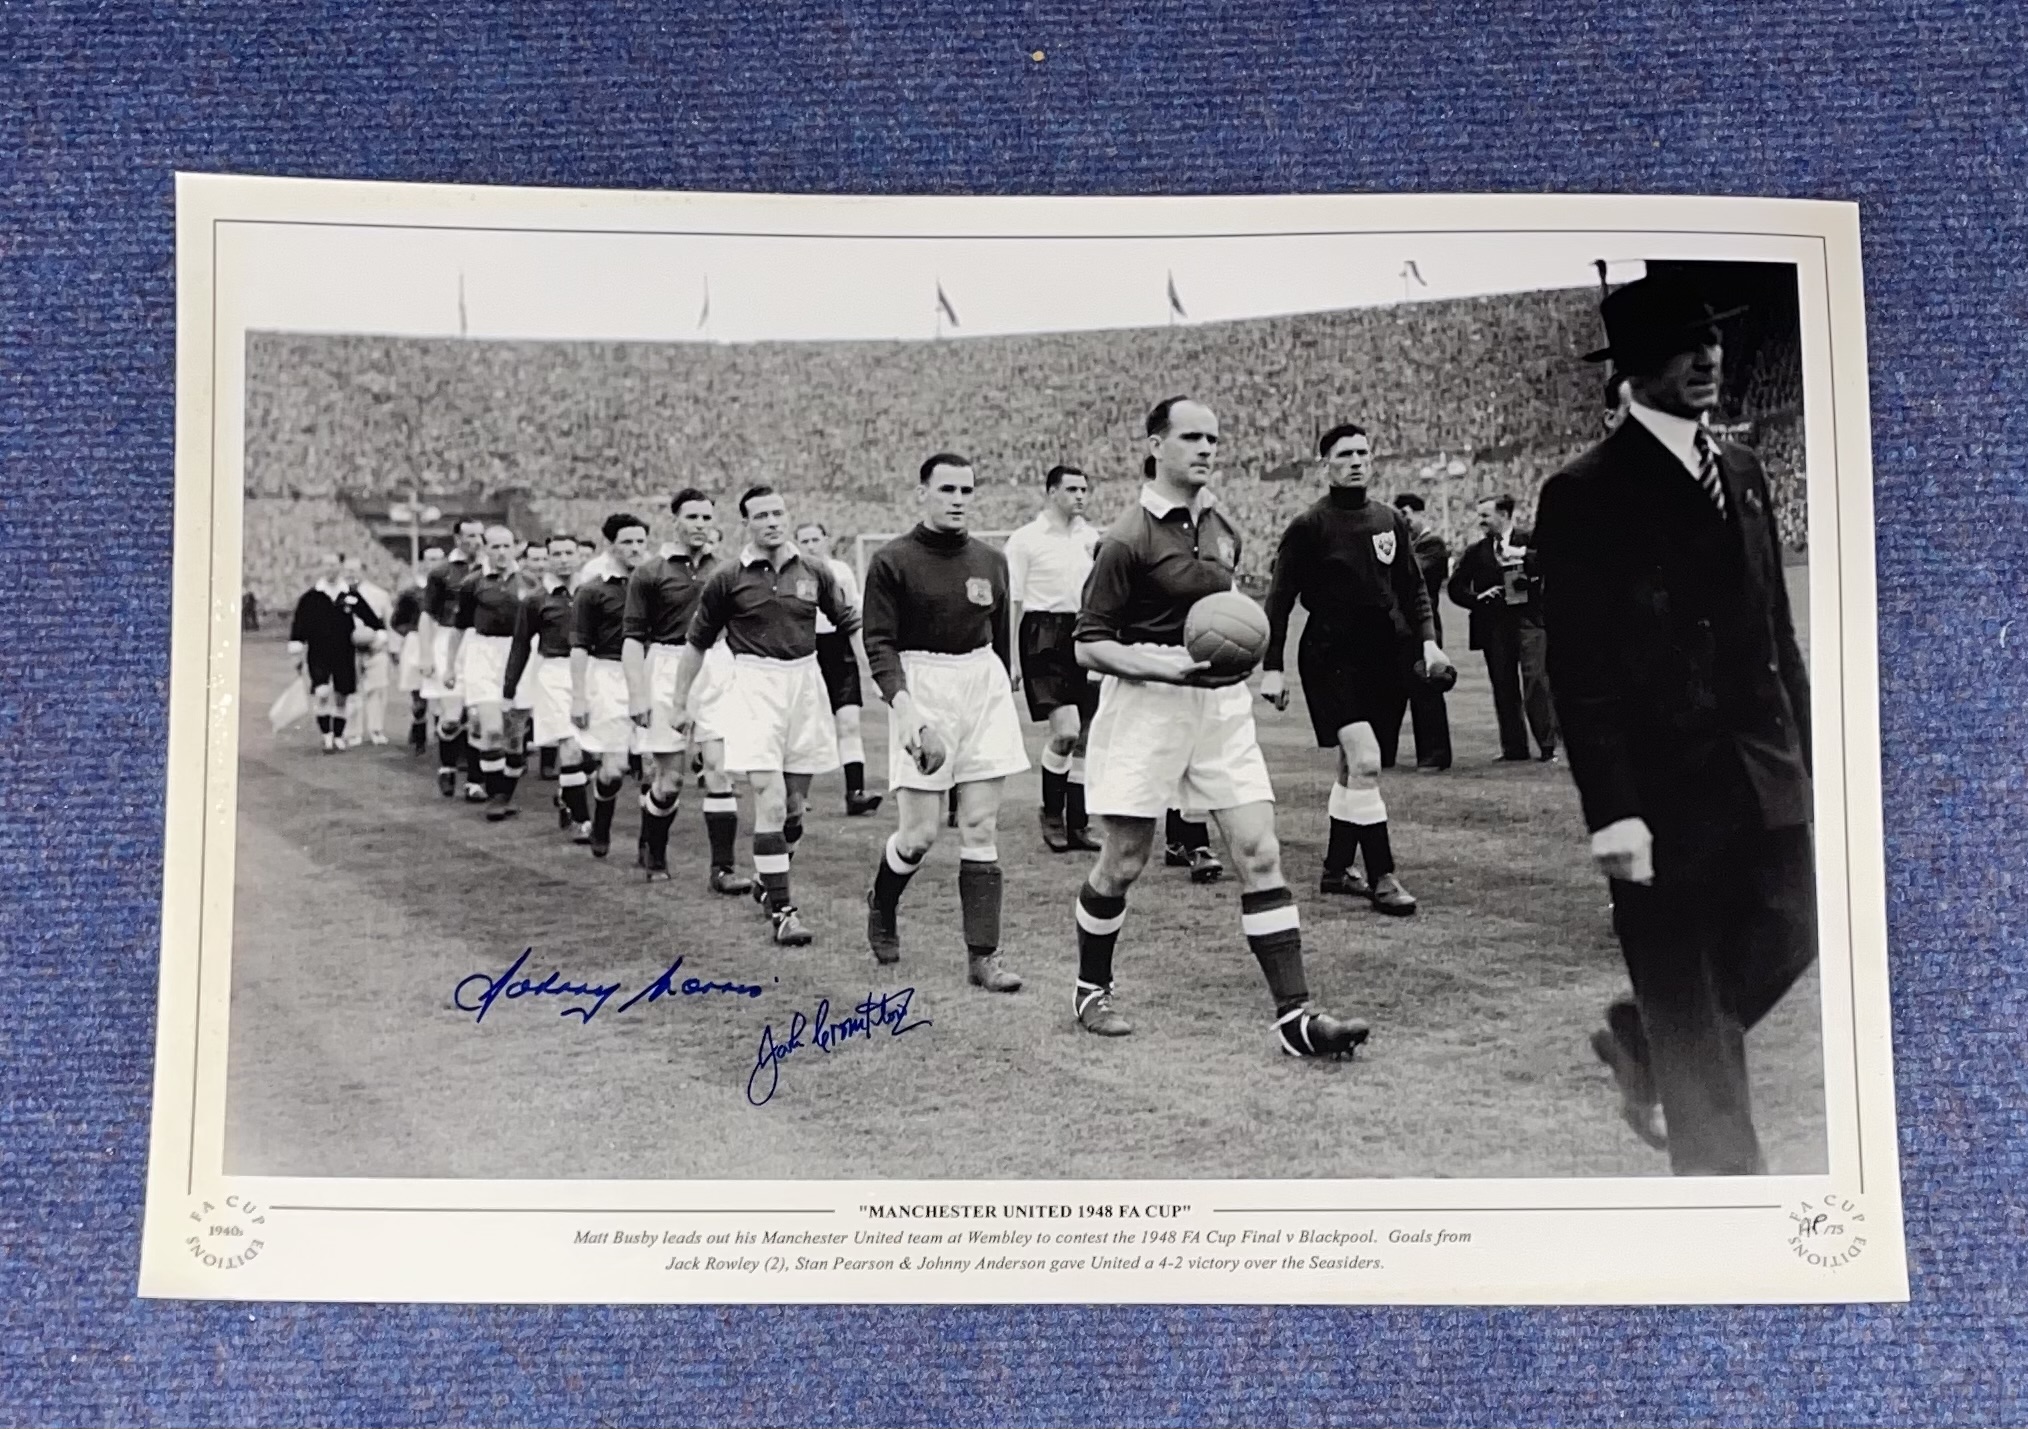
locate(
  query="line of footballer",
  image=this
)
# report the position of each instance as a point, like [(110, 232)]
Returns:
[(696, 662)]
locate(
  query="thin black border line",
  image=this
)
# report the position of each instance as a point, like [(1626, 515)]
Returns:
[(204, 777), (1823, 243), (997, 237), (1844, 744), (1455, 1210)]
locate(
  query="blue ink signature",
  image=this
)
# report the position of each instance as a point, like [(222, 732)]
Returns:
[(887, 1010), (507, 985)]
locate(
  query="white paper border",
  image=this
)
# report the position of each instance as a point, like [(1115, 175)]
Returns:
[(1532, 1241)]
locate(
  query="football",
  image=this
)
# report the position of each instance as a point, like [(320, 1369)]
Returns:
[(1227, 630), (1441, 682)]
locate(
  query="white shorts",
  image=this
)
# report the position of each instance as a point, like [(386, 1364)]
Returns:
[(1155, 747), (611, 731), (776, 715), (524, 693), (550, 682), (433, 688), (482, 668), (707, 695), (968, 701), (374, 668), (409, 677)]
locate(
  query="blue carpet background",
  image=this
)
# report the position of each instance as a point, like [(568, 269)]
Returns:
[(1916, 111)]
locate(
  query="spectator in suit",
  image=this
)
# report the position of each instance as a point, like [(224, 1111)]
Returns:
[(1495, 583), (1687, 704), (1427, 712)]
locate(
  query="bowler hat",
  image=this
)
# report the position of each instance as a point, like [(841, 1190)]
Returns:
[(1653, 317)]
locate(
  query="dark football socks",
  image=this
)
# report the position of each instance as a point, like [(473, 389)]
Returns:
[(492, 773), (337, 726), (1275, 936), (771, 867), (792, 832), (892, 878), (1074, 816), (855, 778), (450, 749), (1359, 819), (1099, 919), (475, 761), (605, 797), (656, 817), (570, 784), (979, 888), (323, 724), (510, 776), (721, 827), (1185, 833), (1055, 779)]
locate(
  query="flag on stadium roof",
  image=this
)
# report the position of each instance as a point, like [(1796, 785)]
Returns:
[(1175, 301), (944, 305), (704, 313), (1416, 273)]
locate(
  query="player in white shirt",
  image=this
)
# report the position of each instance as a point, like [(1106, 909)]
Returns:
[(1047, 562), (839, 663)]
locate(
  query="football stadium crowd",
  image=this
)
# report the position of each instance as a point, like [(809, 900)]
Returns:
[(1496, 384)]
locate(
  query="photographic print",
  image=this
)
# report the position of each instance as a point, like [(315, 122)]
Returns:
[(1309, 749)]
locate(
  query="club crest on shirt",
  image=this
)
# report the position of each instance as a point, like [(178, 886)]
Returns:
[(978, 590), (1383, 547), (806, 589), (1228, 553)]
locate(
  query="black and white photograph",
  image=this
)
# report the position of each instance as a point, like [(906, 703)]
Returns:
[(1095, 703)]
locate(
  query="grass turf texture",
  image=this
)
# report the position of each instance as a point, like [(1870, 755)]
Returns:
[(363, 898)]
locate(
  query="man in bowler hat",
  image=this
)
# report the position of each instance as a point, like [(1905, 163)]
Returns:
[(1685, 709)]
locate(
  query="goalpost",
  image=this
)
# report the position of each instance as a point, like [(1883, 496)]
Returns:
[(863, 547)]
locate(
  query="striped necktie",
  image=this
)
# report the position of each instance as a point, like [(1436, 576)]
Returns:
[(1707, 470)]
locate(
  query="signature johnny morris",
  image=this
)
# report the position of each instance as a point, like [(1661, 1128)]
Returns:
[(585, 1000)]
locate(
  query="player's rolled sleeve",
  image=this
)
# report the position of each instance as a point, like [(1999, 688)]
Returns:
[(714, 608), (524, 640), (1017, 567), (1410, 594), (835, 603), (881, 634), (1103, 610), (636, 621), (1284, 586)]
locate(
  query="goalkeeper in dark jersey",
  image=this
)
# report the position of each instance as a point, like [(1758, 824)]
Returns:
[(1351, 561)]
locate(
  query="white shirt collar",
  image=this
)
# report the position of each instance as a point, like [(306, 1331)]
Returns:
[(1678, 434), (332, 588), (750, 555), (601, 567), (1161, 506)]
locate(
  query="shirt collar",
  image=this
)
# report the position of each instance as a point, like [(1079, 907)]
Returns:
[(1160, 506), (601, 567), (332, 588), (752, 555), (1677, 434)]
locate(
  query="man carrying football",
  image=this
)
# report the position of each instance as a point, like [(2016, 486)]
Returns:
[(1173, 732)]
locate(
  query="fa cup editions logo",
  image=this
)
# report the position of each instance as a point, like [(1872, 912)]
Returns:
[(224, 1235), (1827, 1232)]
